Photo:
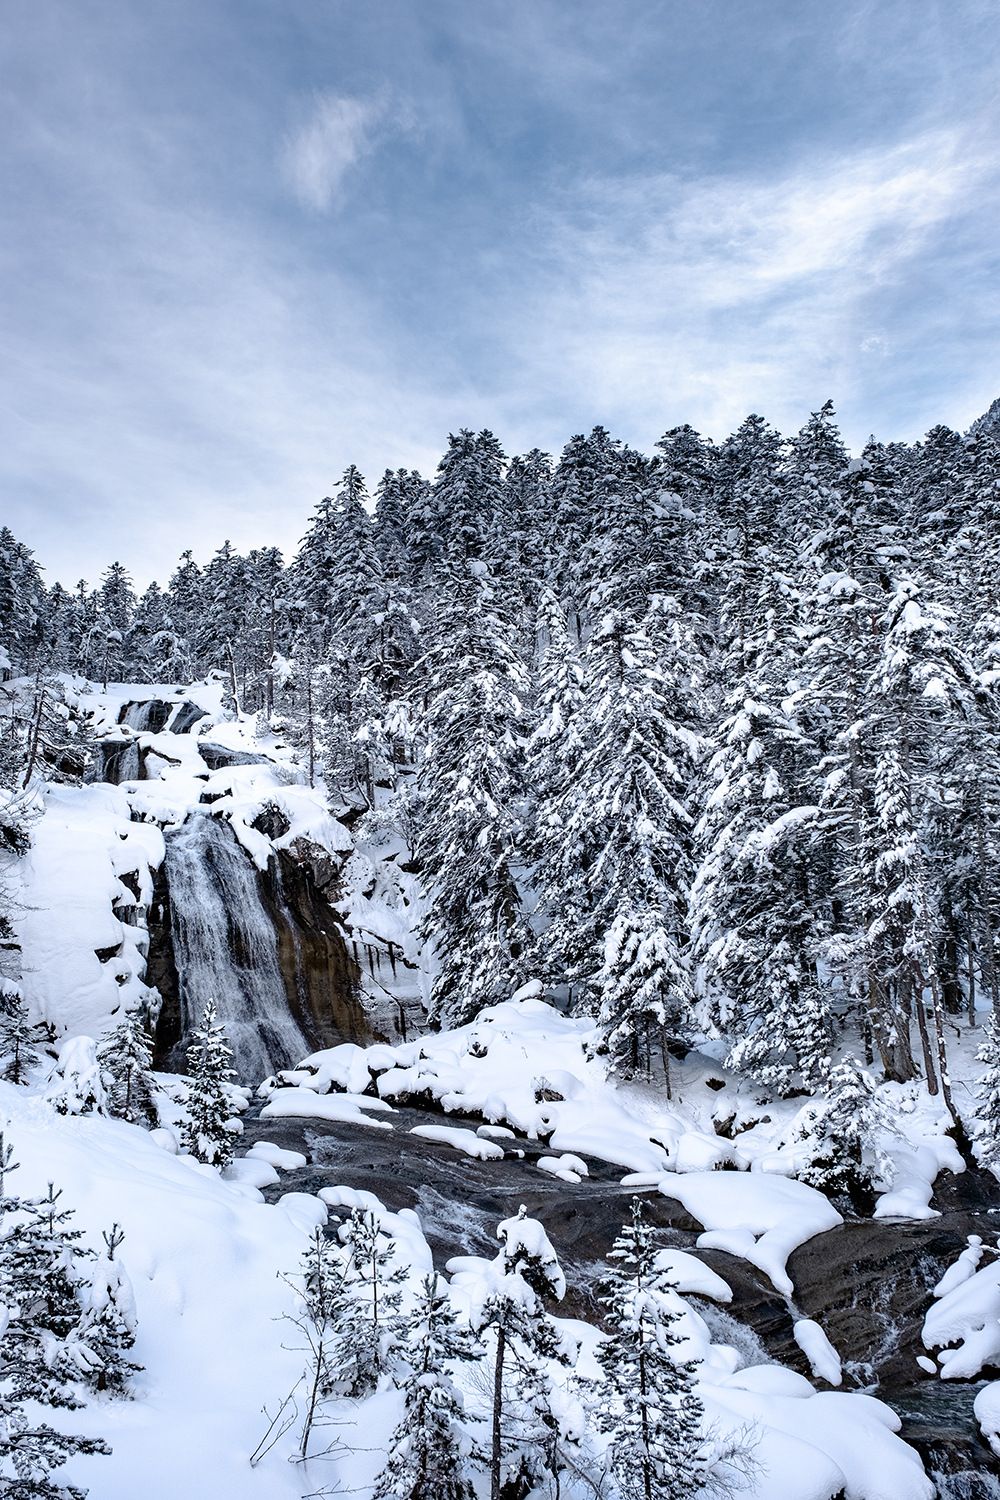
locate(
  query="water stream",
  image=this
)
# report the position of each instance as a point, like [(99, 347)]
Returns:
[(226, 948)]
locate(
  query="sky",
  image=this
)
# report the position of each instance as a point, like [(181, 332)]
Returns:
[(245, 243)]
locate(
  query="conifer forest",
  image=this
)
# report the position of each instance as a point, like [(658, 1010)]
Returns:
[(602, 843)]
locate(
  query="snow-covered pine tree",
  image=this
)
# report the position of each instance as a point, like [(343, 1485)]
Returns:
[(429, 1449), (370, 1324), (70, 1322), (475, 685), (207, 1132), (758, 907), (508, 1306), (619, 867), (987, 1105), (651, 1412), (18, 1038), (126, 1058), (186, 605), (843, 1133), (22, 604)]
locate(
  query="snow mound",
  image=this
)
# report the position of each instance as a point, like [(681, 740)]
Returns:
[(756, 1216), (967, 1315), (462, 1140), (305, 1104)]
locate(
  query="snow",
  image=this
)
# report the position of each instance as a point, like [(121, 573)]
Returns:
[(824, 1361), (72, 881), (204, 1264), (304, 1104), (287, 1161), (479, 1069), (761, 1218), (462, 1140), (816, 1446), (968, 1314), (692, 1276), (963, 1268), (568, 1167), (987, 1409)]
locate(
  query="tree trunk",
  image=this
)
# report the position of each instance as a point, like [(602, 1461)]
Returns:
[(497, 1409), (925, 1041)]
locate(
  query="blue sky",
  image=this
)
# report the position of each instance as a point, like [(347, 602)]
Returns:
[(248, 242)]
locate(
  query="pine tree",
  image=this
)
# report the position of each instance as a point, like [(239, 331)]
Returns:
[(476, 684), (370, 1324), (324, 1297), (206, 1134), (987, 1106), (18, 1038), (108, 1323), (428, 1448), (652, 1412), (509, 1304), (843, 1134), (126, 1057)]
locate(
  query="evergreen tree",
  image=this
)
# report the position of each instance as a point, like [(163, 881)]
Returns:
[(206, 1134), (370, 1324), (126, 1057), (18, 1038), (652, 1412), (843, 1134), (428, 1448), (108, 1323), (509, 1305), (475, 684), (323, 1299), (987, 1106)]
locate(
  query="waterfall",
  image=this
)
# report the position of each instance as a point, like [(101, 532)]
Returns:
[(226, 948)]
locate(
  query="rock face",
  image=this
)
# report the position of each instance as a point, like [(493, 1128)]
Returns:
[(320, 976)]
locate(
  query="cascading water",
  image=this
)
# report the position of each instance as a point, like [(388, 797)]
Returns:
[(226, 948)]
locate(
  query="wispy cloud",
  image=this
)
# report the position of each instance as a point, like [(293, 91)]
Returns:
[(723, 294), (339, 131)]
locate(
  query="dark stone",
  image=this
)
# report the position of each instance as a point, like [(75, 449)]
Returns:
[(161, 971), (187, 717), (217, 757)]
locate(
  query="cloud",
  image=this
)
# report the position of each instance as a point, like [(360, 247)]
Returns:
[(338, 133), (661, 298)]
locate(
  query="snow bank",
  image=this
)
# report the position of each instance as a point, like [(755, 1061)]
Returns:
[(562, 1096), (462, 1140), (304, 1104), (83, 964), (824, 1361), (987, 1409), (968, 1315), (760, 1218), (204, 1264)]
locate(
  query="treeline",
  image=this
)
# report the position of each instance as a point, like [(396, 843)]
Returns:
[(707, 738)]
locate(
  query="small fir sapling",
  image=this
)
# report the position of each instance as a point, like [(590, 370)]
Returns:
[(429, 1447), (987, 1107), (126, 1057), (77, 1087), (108, 1324), (651, 1410), (208, 1133), (324, 1297)]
